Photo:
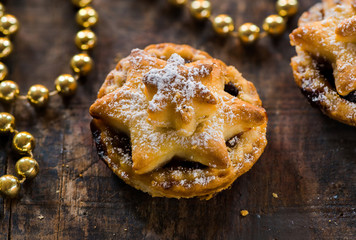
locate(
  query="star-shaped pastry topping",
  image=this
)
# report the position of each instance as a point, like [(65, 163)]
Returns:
[(131, 108), (333, 38), (177, 95), (346, 30)]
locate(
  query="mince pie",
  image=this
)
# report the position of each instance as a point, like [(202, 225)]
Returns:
[(325, 65), (172, 121)]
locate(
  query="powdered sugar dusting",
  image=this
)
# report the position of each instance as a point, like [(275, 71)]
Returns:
[(347, 27), (175, 83), (129, 103)]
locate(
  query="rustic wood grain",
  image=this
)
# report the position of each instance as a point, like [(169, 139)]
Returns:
[(310, 160)]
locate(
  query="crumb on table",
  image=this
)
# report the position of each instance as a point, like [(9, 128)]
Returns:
[(244, 213)]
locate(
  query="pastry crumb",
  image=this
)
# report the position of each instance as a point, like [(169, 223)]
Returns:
[(244, 213), (275, 195)]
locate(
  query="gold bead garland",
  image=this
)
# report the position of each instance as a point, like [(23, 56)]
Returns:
[(38, 95), (200, 9), (223, 24), (274, 25), (248, 33), (23, 144)]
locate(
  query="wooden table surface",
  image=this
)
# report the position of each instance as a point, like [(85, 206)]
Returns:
[(309, 162)]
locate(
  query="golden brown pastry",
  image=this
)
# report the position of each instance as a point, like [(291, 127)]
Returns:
[(172, 121), (325, 65)]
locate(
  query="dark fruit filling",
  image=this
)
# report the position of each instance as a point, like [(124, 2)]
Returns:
[(120, 139), (312, 96), (178, 163), (231, 89), (326, 70), (232, 142), (351, 97)]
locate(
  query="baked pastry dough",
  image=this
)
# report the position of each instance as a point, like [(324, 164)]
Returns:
[(325, 65), (172, 121)]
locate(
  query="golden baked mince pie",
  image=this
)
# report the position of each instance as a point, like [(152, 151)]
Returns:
[(325, 65), (172, 121)]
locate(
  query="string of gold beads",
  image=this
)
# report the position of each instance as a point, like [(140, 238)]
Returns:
[(26, 167), (248, 33), (38, 95), (66, 84)]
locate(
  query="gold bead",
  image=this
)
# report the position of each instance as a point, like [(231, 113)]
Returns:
[(223, 24), (9, 91), (9, 186), (66, 85), (177, 2), (2, 9), (38, 95), (85, 39), (23, 142), (81, 3), (8, 24), (81, 63), (274, 25), (249, 33), (27, 167), (200, 9), (287, 8), (5, 47), (3, 71), (7, 123), (87, 17)]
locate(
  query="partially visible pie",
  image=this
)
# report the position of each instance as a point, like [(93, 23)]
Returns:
[(325, 65), (172, 121)]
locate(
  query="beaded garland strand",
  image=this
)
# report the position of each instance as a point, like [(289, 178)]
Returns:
[(248, 33), (38, 95)]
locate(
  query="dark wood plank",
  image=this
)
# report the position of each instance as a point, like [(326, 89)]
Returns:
[(309, 161), (4, 204)]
